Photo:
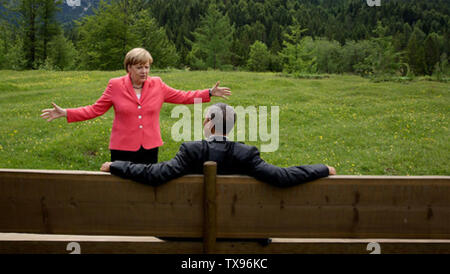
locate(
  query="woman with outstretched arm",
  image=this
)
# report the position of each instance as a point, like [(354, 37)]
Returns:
[(137, 100)]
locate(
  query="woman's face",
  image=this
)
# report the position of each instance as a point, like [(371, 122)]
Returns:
[(139, 72)]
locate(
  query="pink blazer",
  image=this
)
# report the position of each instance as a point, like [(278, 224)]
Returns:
[(136, 121)]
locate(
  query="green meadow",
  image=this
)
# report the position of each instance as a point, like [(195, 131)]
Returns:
[(356, 125)]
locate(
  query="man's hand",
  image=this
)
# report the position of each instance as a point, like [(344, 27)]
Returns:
[(220, 92), (105, 166), (331, 170)]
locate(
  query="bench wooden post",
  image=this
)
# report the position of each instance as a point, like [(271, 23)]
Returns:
[(210, 207)]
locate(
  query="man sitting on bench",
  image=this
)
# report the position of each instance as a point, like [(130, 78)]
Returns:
[(231, 158)]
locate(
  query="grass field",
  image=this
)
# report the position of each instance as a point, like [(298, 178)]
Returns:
[(358, 126)]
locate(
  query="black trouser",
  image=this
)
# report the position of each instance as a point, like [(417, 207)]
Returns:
[(142, 156)]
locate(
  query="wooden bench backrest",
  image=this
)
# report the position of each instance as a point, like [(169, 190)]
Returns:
[(95, 203)]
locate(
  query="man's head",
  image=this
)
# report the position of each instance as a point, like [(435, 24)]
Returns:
[(219, 120)]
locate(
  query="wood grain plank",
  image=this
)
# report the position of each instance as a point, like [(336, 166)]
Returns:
[(95, 203)]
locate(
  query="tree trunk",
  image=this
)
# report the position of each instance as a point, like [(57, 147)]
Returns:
[(32, 34)]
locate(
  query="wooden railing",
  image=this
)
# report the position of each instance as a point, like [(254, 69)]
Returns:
[(41, 211)]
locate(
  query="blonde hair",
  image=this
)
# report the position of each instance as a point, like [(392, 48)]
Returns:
[(137, 56)]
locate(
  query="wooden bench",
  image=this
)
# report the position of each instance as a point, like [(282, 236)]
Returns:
[(43, 211)]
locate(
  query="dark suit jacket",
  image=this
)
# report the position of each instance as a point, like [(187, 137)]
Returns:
[(231, 158)]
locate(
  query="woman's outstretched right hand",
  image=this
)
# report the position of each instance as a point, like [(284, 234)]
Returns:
[(53, 113)]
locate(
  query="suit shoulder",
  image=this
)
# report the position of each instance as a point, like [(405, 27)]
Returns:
[(244, 147), (244, 152), (193, 149), (117, 80), (154, 79), (192, 145), (116, 83)]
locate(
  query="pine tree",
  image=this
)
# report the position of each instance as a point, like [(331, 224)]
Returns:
[(416, 53), (382, 57), (274, 38), (12, 55), (238, 49), (432, 52), (28, 9), (15, 57), (62, 54), (212, 41), (47, 26), (297, 58), (384, 60), (406, 35), (38, 25), (446, 44), (5, 30), (154, 39), (102, 37)]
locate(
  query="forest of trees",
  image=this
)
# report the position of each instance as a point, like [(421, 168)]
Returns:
[(400, 37)]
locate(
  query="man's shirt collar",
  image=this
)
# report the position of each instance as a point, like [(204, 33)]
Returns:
[(217, 138)]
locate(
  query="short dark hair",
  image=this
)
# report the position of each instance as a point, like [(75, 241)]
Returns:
[(223, 117)]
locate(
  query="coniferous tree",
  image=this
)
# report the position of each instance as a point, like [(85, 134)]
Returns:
[(12, 55), (62, 54), (12, 47), (339, 20), (106, 36), (446, 44), (442, 68), (297, 58), (432, 52), (15, 57), (416, 52), (274, 38), (102, 37), (401, 38), (384, 59), (3, 4), (406, 35), (47, 26), (212, 41), (238, 49), (5, 30), (29, 12), (153, 38), (37, 25)]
